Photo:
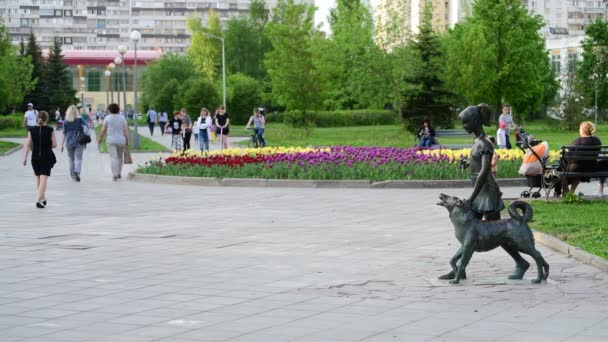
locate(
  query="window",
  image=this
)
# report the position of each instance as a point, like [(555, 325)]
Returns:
[(67, 13), (46, 11), (94, 81), (556, 63), (101, 24), (25, 22), (67, 40), (58, 13)]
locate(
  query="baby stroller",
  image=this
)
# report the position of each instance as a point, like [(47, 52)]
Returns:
[(535, 167)]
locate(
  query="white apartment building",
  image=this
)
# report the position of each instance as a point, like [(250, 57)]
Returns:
[(106, 24)]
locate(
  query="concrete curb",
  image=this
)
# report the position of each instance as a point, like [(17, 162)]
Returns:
[(324, 184), (575, 252), (9, 152)]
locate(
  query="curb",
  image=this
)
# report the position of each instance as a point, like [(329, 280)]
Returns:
[(303, 183), (13, 150), (575, 252)]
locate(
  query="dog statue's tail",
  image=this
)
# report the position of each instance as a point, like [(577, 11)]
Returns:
[(524, 207)]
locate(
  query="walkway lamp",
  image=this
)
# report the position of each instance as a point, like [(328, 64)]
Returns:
[(223, 65), (135, 37)]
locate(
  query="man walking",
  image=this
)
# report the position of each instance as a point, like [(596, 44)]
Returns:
[(30, 117), (151, 120)]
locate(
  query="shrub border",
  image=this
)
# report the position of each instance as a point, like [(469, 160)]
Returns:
[(13, 150), (567, 249)]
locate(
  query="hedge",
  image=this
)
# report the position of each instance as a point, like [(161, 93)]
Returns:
[(11, 121), (340, 118)]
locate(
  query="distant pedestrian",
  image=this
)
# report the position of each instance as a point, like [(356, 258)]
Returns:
[(195, 131), (30, 118), (162, 122), (151, 118), (71, 127), (58, 119), (187, 123), (176, 131), (204, 123), (222, 121), (41, 140), (117, 129), (501, 135), (507, 118)]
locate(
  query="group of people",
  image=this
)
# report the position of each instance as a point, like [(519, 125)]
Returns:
[(41, 141)]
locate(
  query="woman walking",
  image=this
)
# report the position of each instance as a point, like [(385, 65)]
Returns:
[(71, 126), (162, 122), (222, 121), (117, 129), (41, 140), (187, 123)]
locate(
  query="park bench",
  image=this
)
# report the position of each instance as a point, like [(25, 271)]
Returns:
[(597, 154), (445, 133)]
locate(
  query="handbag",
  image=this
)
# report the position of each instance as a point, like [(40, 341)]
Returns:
[(127, 158), (83, 136)]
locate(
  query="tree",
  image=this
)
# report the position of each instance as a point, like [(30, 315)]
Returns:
[(432, 99), (169, 69), (497, 56), (204, 51), (39, 95), (194, 94), (345, 58), (61, 94), (592, 71), (244, 94), (15, 73), (246, 42), (294, 78)]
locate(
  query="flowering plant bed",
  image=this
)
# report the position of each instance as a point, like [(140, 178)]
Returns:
[(333, 163)]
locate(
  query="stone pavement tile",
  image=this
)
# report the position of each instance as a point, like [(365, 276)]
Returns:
[(213, 318), (48, 313), (532, 336), (586, 339), (198, 305), (169, 313), (13, 321), (154, 332), (93, 316), (138, 320), (392, 337), (72, 336), (209, 334), (599, 329), (431, 326), (13, 308), (256, 337), (25, 332), (107, 328)]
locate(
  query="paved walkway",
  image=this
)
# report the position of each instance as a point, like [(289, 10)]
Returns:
[(126, 261), (166, 139)]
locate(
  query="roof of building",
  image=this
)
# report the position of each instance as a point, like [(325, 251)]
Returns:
[(105, 57)]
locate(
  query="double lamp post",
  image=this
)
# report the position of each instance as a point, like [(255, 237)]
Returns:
[(135, 37)]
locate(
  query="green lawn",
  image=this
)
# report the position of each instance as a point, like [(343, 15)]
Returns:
[(574, 223), (145, 144), (278, 134), (6, 146), (13, 133)]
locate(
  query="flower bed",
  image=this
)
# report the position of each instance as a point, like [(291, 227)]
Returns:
[(334, 163)]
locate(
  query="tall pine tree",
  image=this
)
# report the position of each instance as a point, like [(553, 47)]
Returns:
[(431, 99), (61, 93), (39, 95)]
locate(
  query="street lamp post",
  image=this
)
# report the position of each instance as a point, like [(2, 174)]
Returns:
[(112, 78), (118, 62), (135, 38), (108, 74), (122, 50), (595, 77), (223, 66), (82, 91)]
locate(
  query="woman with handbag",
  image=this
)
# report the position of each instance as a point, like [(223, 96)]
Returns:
[(117, 129), (73, 129), (41, 140)]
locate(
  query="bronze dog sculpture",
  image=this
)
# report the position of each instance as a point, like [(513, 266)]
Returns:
[(475, 235)]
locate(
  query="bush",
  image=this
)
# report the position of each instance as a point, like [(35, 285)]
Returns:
[(11, 121), (340, 118), (194, 94)]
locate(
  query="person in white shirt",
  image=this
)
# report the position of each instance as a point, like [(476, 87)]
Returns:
[(501, 135), (30, 117), (508, 119), (204, 123), (151, 120)]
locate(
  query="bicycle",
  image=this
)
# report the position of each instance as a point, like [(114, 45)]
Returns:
[(254, 141)]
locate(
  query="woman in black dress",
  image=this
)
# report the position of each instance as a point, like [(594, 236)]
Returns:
[(41, 140), (222, 121)]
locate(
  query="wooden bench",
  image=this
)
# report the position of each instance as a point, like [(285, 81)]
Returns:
[(446, 133), (598, 155)]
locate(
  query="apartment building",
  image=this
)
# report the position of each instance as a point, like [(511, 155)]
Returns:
[(106, 24)]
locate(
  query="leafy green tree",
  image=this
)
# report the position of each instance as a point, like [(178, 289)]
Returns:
[(295, 80), (345, 58), (194, 94), (61, 93), (244, 94), (592, 71), (432, 100), (171, 70), (497, 56), (204, 51), (246, 42), (15, 73), (39, 95)]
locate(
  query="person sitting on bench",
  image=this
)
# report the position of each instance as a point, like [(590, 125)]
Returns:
[(587, 138), (426, 134)]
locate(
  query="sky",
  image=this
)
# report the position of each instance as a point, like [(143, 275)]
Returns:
[(323, 11)]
